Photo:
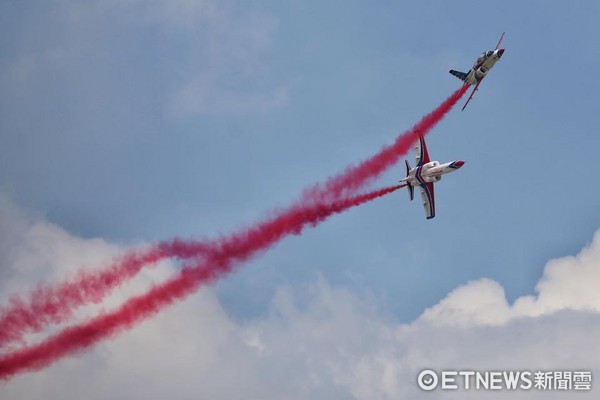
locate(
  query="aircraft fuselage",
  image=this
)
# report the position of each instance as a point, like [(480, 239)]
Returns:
[(482, 66), (431, 172)]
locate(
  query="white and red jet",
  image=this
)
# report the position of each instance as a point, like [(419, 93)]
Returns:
[(482, 66), (425, 174)]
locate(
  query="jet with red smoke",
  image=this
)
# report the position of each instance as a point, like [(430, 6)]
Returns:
[(480, 69), (206, 262), (425, 174)]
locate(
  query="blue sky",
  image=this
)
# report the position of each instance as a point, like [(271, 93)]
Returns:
[(92, 137), (139, 121)]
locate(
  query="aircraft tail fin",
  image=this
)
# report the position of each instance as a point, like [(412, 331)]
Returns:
[(411, 189), (460, 75)]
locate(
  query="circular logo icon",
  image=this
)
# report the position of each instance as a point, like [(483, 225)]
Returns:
[(427, 379)]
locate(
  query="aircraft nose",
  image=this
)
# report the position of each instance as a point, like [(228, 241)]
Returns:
[(500, 52), (458, 164)]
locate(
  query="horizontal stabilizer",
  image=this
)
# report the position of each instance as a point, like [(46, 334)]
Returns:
[(460, 75)]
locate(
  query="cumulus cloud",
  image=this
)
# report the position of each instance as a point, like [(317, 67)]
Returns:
[(315, 340), (568, 283), (36, 251)]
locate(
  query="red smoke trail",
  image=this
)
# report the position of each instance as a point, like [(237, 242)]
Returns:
[(220, 260), (355, 177), (55, 304)]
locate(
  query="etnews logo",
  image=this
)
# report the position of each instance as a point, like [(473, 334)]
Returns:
[(505, 380)]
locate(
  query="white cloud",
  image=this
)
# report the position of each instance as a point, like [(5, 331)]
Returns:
[(36, 250), (318, 341), (568, 283)]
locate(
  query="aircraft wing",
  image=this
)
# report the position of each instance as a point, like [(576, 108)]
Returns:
[(427, 195), (500, 41), (471, 96), (422, 155)]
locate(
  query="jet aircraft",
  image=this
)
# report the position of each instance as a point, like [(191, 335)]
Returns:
[(480, 69), (425, 174)]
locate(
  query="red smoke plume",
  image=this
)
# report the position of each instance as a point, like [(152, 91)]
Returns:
[(56, 304), (220, 259), (356, 177)]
